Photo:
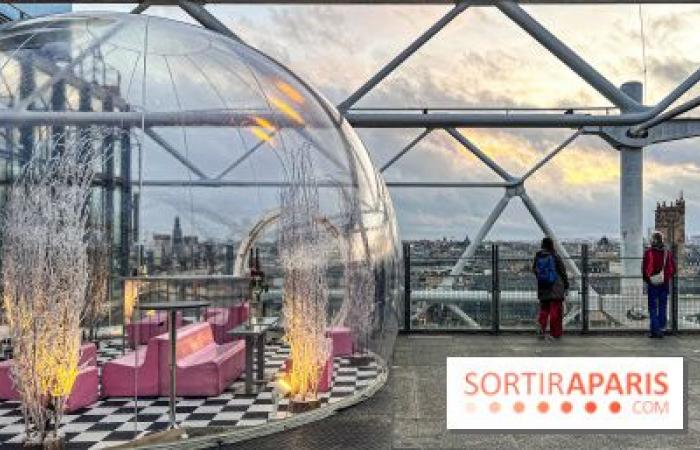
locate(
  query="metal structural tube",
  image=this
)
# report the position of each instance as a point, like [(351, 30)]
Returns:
[(476, 151), (478, 239), (548, 231), (666, 116), (141, 7), (556, 47), (405, 150), (201, 15), (551, 155), (489, 120), (238, 161), (215, 183), (407, 286), (401, 57), (232, 118), (158, 139), (135, 119), (631, 204)]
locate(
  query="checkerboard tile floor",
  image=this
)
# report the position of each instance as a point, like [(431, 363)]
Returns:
[(116, 421)]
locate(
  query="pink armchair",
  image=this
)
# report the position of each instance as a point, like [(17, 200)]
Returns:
[(223, 320), (85, 388), (342, 340), (204, 368), (134, 373)]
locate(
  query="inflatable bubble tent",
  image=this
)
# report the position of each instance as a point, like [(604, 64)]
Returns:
[(204, 128)]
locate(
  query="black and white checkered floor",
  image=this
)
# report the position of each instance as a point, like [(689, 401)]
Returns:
[(113, 421)]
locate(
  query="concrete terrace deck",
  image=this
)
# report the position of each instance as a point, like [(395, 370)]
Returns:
[(410, 411)]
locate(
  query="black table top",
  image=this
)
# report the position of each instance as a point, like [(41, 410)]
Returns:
[(173, 305)]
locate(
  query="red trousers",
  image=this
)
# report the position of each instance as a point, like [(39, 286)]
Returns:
[(551, 312)]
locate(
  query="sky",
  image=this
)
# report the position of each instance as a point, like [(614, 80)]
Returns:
[(483, 60)]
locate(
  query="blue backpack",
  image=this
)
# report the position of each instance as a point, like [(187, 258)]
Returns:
[(546, 269)]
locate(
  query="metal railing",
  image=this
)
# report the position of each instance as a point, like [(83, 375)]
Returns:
[(497, 292)]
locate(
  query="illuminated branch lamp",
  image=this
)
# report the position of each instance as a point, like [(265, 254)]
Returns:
[(358, 307), (304, 256), (45, 275)]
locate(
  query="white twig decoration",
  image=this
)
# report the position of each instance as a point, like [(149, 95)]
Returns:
[(357, 309), (45, 275), (304, 258), (99, 253)]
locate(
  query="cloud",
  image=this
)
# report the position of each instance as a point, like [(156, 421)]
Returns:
[(483, 60)]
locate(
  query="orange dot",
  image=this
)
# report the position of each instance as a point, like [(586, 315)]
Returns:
[(495, 407), (566, 407), (543, 407), (591, 407), (519, 407), (614, 407)]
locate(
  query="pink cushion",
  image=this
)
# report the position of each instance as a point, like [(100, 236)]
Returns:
[(136, 373), (210, 371), (7, 389), (224, 320), (85, 388), (204, 368), (144, 328), (88, 354), (342, 340)]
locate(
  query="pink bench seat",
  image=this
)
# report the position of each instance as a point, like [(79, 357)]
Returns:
[(141, 330), (342, 340), (85, 388), (223, 320), (204, 368), (135, 373)]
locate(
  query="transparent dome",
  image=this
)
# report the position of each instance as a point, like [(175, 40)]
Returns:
[(207, 128)]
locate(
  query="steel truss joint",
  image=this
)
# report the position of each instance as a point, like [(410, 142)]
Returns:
[(672, 130)]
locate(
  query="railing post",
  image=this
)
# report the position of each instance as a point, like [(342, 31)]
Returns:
[(674, 290), (407, 286), (584, 288), (495, 291)]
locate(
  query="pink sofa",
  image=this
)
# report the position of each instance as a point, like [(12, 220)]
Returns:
[(342, 340), (223, 320), (204, 368), (148, 326), (85, 388), (134, 373)]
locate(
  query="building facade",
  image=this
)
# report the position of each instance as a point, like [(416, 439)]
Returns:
[(670, 221)]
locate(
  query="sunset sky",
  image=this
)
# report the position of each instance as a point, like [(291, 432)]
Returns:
[(482, 59)]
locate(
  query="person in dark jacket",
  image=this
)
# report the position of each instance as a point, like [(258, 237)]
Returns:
[(552, 285), (658, 269)]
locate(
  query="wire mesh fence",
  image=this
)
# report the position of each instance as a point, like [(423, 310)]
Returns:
[(497, 290)]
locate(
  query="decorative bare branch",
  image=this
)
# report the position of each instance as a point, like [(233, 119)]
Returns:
[(303, 251), (99, 253), (356, 311), (45, 275)]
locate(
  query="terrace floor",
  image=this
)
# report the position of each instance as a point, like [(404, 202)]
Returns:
[(113, 422), (409, 412)]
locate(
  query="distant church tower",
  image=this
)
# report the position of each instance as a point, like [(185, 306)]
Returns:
[(177, 239), (670, 221)]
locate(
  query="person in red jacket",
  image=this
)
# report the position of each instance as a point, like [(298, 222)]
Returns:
[(657, 270)]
